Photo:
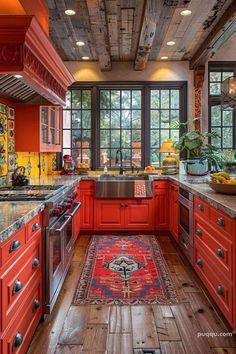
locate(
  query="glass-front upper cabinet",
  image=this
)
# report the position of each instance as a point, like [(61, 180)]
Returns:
[(50, 128)]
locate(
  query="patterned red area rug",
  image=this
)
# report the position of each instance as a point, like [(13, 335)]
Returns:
[(121, 270)]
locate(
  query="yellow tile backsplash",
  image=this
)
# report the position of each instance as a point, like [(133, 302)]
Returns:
[(37, 164)]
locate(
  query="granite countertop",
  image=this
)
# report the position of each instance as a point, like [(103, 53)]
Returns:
[(15, 214)]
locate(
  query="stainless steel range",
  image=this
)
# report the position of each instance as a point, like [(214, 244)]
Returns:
[(59, 242)]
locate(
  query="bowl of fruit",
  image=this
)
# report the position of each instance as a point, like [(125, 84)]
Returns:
[(221, 182), (82, 168), (150, 170)]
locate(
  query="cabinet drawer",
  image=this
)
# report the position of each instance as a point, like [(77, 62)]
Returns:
[(223, 223), (87, 185), (221, 248), (34, 227), (13, 247), (220, 289), (17, 338), (160, 184), (201, 208), (18, 280)]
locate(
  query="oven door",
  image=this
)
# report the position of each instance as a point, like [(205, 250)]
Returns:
[(55, 262), (186, 218)]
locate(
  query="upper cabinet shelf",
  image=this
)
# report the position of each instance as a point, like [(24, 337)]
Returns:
[(38, 128)]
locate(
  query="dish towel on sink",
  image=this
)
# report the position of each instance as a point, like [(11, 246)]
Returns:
[(140, 189)]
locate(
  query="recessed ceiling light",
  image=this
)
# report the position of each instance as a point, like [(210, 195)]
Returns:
[(70, 12), (170, 43), (164, 58), (185, 12), (80, 43), (85, 58), (17, 76)]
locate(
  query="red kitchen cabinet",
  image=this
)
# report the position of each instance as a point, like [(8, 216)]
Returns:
[(174, 211), (124, 214), (38, 128), (139, 214), (87, 204), (161, 205), (109, 214), (21, 285)]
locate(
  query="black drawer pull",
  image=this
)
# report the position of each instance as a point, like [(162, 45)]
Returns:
[(36, 305), (18, 286), (199, 262), (220, 252), (200, 207), (35, 263), (18, 339), (198, 232), (14, 246), (220, 290), (35, 227), (220, 222)]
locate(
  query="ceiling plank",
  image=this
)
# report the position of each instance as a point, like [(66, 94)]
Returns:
[(126, 31), (151, 14), (97, 16), (112, 23), (226, 23)]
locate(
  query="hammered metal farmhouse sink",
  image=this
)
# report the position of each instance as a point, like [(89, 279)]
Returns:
[(122, 186)]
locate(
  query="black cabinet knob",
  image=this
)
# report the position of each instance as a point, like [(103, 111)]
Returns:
[(220, 252), (220, 290), (199, 262), (18, 286), (18, 339), (36, 305), (14, 246), (220, 222), (198, 232), (35, 263), (200, 207)]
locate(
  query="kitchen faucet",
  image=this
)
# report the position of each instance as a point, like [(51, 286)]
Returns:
[(121, 160)]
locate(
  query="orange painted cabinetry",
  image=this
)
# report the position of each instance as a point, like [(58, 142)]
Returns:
[(77, 217), (214, 255), (21, 287), (123, 214), (174, 210), (38, 128), (87, 204), (161, 204)]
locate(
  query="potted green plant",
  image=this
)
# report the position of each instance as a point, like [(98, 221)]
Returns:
[(199, 152), (228, 161)]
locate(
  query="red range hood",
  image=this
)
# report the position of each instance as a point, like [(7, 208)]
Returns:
[(25, 49)]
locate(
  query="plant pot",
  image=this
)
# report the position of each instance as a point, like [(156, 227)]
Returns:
[(197, 167)]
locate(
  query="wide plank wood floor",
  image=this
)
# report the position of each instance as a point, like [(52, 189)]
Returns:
[(176, 329)]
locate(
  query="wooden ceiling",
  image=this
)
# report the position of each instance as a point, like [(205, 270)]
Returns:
[(138, 30)]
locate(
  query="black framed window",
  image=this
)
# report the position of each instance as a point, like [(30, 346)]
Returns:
[(164, 110), (134, 117), (120, 123), (221, 120), (77, 125)]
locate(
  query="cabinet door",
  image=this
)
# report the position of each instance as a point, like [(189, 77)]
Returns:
[(161, 209), (109, 214), (86, 209), (176, 214), (139, 215), (44, 121), (50, 122)]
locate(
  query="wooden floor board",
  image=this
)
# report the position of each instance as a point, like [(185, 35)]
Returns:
[(95, 329)]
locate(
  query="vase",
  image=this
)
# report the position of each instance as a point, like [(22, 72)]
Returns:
[(197, 167)]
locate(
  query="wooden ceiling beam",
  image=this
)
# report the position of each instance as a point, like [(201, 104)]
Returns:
[(98, 22), (147, 33), (222, 31)]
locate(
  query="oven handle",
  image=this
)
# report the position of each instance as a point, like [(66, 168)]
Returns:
[(185, 202), (68, 219), (75, 206)]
